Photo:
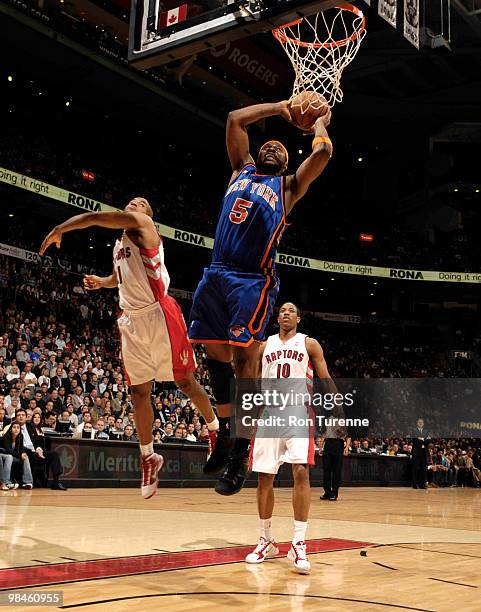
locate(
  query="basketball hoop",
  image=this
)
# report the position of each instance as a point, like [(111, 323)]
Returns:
[(320, 47)]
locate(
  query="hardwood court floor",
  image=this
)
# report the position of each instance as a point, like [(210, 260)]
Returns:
[(107, 549)]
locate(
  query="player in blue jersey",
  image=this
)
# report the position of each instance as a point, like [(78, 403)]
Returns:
[(236, 295)]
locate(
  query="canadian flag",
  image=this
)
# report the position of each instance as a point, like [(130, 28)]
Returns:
[(172, 17)]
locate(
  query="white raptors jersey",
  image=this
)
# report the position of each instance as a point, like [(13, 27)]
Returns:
[(287, 359), (142, 275)]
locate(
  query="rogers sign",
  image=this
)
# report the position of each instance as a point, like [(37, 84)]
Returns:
[(248, 63)]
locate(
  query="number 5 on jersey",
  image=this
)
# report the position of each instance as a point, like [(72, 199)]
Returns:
[(239, 210)]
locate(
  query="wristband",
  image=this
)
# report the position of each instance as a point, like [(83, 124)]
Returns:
[(320, 139)]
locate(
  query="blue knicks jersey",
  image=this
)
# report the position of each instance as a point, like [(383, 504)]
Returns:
[(251, 221)]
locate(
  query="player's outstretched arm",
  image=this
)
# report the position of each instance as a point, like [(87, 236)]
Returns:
[(237, 139), (114, 220), (297, 184)]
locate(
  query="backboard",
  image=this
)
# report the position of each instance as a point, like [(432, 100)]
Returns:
[(161, 32)]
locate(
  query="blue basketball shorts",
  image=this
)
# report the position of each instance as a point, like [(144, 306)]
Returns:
[(232, 306)]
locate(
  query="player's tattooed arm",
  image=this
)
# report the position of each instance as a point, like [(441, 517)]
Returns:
[(297, 184), (237, 139), (133, 221), (316, 356), (93, 282), (327, 385)]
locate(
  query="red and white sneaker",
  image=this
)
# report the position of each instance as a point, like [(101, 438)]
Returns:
[(298, 555), (264, 550), (212, 443), (151, 467)]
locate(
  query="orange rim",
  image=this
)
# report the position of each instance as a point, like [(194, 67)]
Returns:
[(282, 37)]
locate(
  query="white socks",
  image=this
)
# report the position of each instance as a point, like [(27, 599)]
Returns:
[(300, 529), (147, 449), (266, 528), (214, 426)]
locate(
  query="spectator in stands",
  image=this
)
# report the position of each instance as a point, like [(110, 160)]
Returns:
[(59, 379), (51, 421), (4, 420), (12, 444), (437, 465), (466, 462), (22, 356), (77, 398), (56, 401), (88, 431), (203, 434), (366, 447), (14, 374), (30, 378), (393, 450), (168, 430), (86, 419), (191, 433), (49, 457), (180, 432), (6, 461), (117, 432), (100, 433), (129, 435)]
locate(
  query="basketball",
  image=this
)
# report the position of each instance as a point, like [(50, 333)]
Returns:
[(306, 108)]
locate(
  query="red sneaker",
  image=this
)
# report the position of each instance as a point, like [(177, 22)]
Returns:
[(298, 555), (212, 443), (151, 467), (264, 550)]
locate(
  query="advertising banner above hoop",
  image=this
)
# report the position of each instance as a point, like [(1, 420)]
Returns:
[(90, 205)]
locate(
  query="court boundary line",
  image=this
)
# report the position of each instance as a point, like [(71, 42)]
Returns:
[(471, 586), (394, 569), (223, 593), (439, 552)]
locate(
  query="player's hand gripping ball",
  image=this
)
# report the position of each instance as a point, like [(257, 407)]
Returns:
[(306, 108)]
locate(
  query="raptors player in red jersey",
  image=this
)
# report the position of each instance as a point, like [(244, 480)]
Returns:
[(295, 356), (154, 341)]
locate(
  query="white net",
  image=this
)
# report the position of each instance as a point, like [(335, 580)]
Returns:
[(320, 47)]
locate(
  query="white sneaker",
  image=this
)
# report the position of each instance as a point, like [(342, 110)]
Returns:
[(298, 555), (264, 550), (150, 467)]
